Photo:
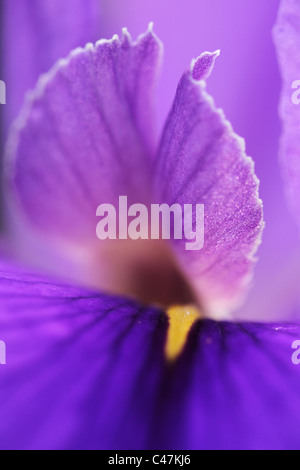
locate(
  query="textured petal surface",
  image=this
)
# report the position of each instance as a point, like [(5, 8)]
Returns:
[(38, 33), (82, 369), (235, 387), (287, 40), (83, 137), (202, 161), (87, 371)]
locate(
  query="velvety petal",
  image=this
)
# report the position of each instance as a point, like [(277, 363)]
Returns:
[(235, 387), (83, 138), (81, 370), (38, 33), (87, 371), (287, 40), (202, 161)]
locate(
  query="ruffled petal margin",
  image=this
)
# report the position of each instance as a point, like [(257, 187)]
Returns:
[(202, 161)]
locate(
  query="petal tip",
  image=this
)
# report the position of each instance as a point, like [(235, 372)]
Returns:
[(126, 37), (150, 27), (150, 32), (202, 67), (150, 35)]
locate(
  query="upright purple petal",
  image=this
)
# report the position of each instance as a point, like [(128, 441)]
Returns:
[(36, 34), (248, 92), (84, 137), (287, 40), (202, 161)]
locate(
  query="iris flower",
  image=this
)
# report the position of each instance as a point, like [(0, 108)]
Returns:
[(138, 351)]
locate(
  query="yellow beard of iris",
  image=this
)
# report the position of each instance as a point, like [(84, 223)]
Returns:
[(181, 320)]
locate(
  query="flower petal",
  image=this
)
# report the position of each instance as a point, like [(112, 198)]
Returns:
[(86, 371), (202, 161), (287, 40), (83, 138), (81, 368), (36, 35), (235, 387)]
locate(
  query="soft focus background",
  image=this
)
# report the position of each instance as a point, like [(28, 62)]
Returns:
[(246, 84)]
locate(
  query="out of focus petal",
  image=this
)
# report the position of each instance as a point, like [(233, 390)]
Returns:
[(287, 40), (38, 33), (202, 161)]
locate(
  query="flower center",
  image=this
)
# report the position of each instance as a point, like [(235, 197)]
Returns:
[(181, 320), (145, 270)]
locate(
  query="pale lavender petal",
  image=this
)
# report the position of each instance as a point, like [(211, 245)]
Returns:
[(38, 33), (85, 137), (287, 40), (202, 161)]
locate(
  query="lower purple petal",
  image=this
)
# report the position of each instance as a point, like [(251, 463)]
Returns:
[(87, 371), (82, 369), (235, 387)]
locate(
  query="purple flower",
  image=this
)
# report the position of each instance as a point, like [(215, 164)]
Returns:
[(133, 360)]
